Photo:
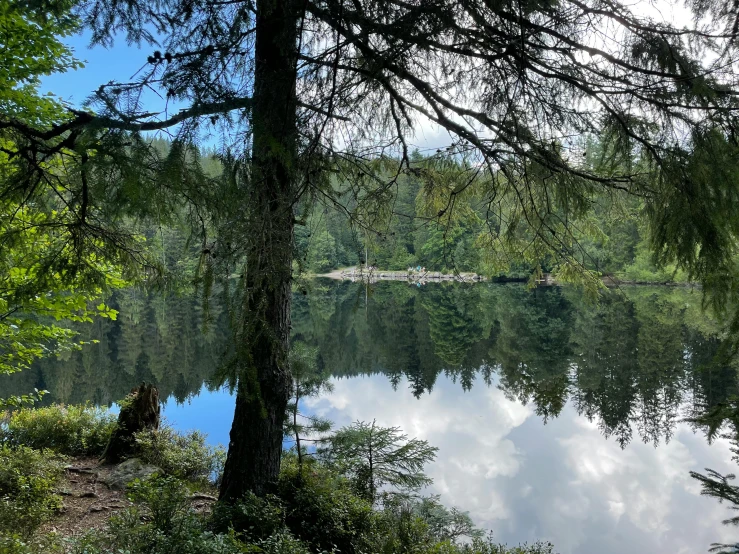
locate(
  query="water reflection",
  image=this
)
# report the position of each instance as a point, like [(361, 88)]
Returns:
[(558, 481), (634, 364), (155, 339), (516, 388)]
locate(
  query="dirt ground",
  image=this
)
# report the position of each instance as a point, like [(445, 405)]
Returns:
[(88, 502)]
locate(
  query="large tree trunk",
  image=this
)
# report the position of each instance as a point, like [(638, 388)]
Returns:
[(263, 390)]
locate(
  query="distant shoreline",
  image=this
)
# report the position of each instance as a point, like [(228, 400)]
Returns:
[(355, 274)]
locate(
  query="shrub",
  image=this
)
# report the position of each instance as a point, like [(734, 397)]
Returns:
[(403, 532), (46, 544), (254, 518), (185, 456), (27, 482), (72, 430), (321, 509), (489, 546), (166, 498), (314, 512), (162, 522), (281, 543), (127, 534)]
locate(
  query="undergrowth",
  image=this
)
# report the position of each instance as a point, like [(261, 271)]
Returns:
[(163, 522), (71, 430), (28, 479), (313, 508), (187, 456)]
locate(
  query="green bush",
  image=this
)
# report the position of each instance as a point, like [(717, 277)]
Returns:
[(254, 518), (643, 269), (46, 544), (405, 533), (166, 498), (162, 522), (489, 546), (27, 482), (186, 456), (72, 430), (315, 512), (321, 509), (280, 543)]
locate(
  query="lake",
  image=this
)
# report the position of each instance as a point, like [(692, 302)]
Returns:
[(556, 419)]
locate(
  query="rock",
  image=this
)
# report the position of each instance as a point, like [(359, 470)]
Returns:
[(85, 470), (128, 471), (96, 509), (89, 494)]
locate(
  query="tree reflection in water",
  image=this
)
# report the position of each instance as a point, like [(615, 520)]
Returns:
[(635, 363)]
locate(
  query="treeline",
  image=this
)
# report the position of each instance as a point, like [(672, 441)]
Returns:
[(614, 245), (156, 338), (405, 220)]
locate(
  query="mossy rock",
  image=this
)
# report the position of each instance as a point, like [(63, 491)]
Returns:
[(128, 471)]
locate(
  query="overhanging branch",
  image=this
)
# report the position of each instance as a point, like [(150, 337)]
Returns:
[(86, 119)]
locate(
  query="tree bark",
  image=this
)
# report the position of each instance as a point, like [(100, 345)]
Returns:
[(263, 388)]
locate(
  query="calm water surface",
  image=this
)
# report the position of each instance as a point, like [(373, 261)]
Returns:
[(555, 419)]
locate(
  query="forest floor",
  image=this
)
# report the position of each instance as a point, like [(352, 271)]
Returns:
[(88, 502)]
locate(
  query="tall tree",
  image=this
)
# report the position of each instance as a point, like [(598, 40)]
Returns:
[(317, 87)]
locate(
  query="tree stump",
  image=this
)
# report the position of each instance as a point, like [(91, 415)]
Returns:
[(140, 410)]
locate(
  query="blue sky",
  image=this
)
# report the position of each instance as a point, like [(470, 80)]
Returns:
[(101, 65), (121, 63)]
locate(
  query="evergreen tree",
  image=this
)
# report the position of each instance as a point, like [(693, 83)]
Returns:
[(718, 486), (445, 524), (375, 456)]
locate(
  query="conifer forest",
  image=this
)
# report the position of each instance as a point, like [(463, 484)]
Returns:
[(369, 276)]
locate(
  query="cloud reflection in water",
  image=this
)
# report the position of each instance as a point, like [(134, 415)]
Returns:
[(562, 481)]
